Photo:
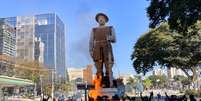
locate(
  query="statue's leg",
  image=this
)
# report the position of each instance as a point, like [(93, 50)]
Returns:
[(108, 68), (99, 67)]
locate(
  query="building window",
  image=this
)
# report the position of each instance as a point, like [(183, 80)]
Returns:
[(42, 22)]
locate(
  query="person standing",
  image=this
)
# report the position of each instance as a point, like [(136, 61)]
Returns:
[(158, 96)]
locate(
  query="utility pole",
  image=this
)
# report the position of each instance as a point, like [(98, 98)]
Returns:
[(85, 91), (35, 92), (52, 84), (41, 85)]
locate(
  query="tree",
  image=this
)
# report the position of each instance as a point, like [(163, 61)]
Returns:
[(147, 83), (64, 88), (178, 78), (6, 65), (180, 14), (24, 69), (151, 49), (131, 81), (167, 48), (182, 79), (158, 80), (30, 70)]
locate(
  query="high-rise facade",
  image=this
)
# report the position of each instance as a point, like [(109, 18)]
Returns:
[(25, 28), (159, 71), (174, 72), (7, 45), (39, 50), (50, 29), (7, 39)]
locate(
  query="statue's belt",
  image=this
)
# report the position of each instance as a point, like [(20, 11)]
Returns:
[(101, 41)]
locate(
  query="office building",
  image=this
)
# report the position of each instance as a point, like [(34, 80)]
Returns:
[(50, 29), (174, 72), (39, 50), (7, 45), (159, 71), (75, 73), (25, 28), (88, 74)]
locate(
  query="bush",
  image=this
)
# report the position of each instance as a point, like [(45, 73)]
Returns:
[(196, 93)]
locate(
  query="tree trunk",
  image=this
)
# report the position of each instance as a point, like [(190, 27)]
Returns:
[(187, 74), (194, 76)]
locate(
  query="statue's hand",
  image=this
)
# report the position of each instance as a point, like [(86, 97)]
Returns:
[(112, 41), (91, 53)]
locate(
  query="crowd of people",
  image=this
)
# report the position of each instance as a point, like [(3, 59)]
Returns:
[(151, 97), (147, 98)]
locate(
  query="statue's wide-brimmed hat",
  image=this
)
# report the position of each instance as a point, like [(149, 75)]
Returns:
[(102, 14)]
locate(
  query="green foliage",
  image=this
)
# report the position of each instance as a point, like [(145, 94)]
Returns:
[(184, 80), (180, 14), (166, 48), (147, 83), (158, 80), (179, 77), (133, 80), (65, 88), (47, 89), (31, 70), (150, 49), (196, 93)]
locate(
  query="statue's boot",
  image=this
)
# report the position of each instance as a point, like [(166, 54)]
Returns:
[(99, 73), (109, 75)]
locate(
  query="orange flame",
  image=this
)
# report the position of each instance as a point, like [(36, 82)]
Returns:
[(95, 92)]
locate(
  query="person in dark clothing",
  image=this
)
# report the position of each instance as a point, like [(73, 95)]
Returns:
[(192, 97), (126, 98), (175, 98), (61, 98), (171, 98), (146, 98), (46, 99), (183, 98), (132, 99), (158, 96), (99, 98), (105, 98), (115, 98)]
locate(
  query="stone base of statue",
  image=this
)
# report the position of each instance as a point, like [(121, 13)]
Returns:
[(103, 93), (106, 93)]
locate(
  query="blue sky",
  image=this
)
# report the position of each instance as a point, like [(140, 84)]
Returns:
[(127, 16)]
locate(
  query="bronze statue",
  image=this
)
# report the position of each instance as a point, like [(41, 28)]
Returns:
[(101, 49)]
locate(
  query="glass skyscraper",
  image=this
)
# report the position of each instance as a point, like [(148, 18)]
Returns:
[(50, 29)]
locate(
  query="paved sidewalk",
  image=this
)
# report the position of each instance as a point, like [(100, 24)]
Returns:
[(22, 99)]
